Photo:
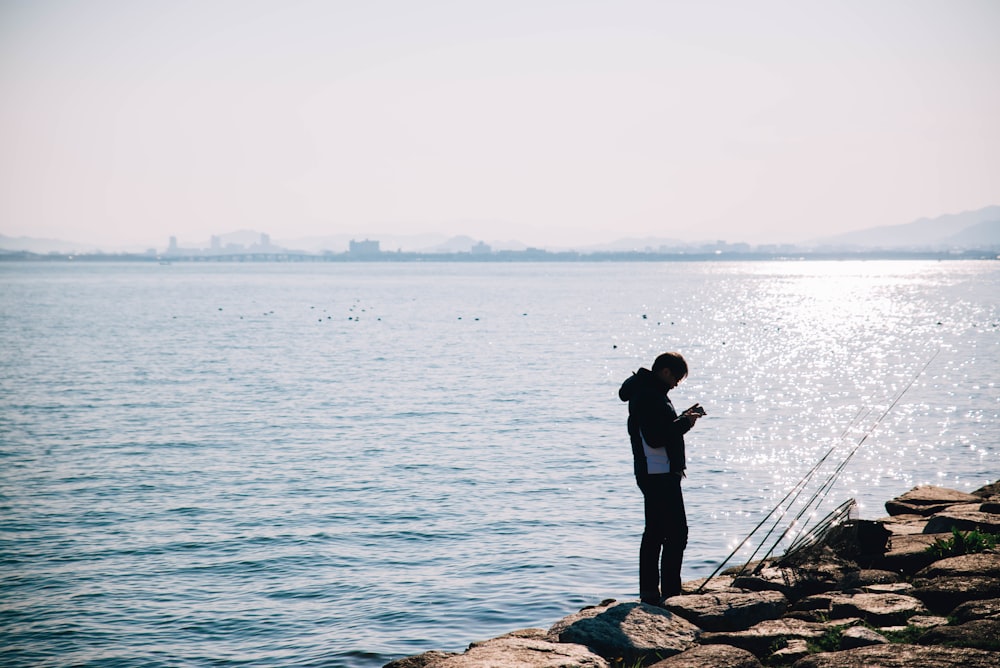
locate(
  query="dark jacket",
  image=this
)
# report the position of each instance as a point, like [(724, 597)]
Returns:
[(652, 416)]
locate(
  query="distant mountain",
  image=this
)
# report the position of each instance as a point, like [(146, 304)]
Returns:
[(44, 246), (970, 229)]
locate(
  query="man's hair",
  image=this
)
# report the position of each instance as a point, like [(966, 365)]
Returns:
[(673, 361)]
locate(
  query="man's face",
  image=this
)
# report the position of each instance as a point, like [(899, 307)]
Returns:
[(667, 376)]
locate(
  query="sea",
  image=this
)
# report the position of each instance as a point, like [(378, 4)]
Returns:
[(346, 463)]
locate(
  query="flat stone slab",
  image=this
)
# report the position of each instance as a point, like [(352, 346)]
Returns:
[(762, 638), (631, 631), (728, 611), (978, 634), (794, 583), (901, 525), (717, 656), (511, 651), (944, 594), (982, 563), (985, 609), (928, 499), (963, 520), (898, 655), (876, 609), (861, 636), (908, 553)]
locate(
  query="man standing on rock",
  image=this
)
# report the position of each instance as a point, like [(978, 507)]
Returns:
[(657, 435)]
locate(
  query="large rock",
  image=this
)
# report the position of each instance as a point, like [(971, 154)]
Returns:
[(963, 520), (987, 491), (876, 609), (927, 500), (979, 633), (982, 563), (861, 636), (895, 655), (908, 553), (944, 594), (629, 631), (716, 656), (420, 660), (901, 525), (764, 637), (987, 609), (794, 583), (728, 611), (513, 651)]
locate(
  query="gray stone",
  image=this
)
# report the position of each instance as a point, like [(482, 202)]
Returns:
[(860, 636), (877, 609), (897, 655), (944, 594), (424, 660), (793, 651), (905, 524), (919, 499), (987, 491), (728, 611), (716, 656), (762, 638), (629, 631), (963, 520), (986, 609), (868, 577), (982, 563), (794, 583), (512, 651), (927, 621), (908, 553), (978, 634), (892, 588)]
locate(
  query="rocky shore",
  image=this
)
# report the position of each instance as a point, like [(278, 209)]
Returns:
[(920, 587)]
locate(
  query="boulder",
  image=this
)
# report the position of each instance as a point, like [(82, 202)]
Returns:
[(630, 631), (908, 553), (861, 636), (868, 577), (927, 500), (762, 638), (987, 491), (513, 651), (796, 582), (944, 594), (963, 520), (790, 653), (927, 621), (725, 611), (981, 563), (978, 634), (876, 609), (986, 609), (420, 660), (717, 656), (901, 525), (897, 655)]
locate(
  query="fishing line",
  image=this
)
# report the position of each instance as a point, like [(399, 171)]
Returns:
[(800, 485), (827, 486)]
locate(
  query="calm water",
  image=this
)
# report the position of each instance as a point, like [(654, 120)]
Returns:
[(343, 464)]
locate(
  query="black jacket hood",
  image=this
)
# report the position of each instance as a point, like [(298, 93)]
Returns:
[(641, 380)]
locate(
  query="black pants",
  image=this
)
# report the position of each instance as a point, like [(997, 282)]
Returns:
[(664, 537)]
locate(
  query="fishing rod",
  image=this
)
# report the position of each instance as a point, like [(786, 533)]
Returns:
[(800, 485), (824, 490), (797, 489), (862, 414)]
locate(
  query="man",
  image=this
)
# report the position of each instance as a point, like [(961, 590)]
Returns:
[(657, 435)]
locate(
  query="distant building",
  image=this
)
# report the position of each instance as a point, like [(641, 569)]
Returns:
[(216, 243), (480, 248), (265, 240), (366, 247), (172, 247)]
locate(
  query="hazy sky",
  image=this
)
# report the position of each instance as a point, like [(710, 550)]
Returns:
[(547, 121)]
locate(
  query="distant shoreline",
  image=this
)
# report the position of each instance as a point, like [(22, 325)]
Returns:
[(530, 255)]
